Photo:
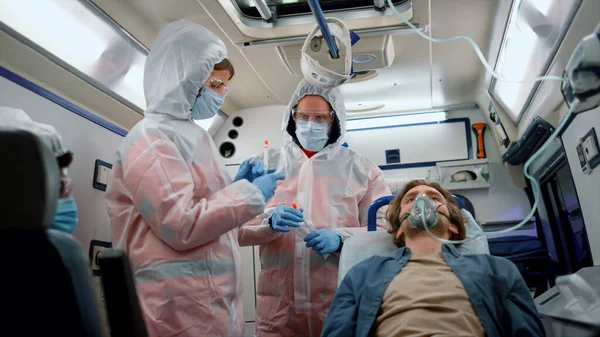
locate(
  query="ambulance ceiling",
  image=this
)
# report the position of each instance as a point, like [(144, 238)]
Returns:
[(422, 75)]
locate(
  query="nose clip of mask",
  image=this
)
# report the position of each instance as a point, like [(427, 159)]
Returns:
[(423, 205)]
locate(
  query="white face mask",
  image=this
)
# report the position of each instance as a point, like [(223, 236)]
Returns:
[(312, 136)]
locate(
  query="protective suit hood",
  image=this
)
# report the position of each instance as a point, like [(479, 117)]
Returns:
[(333, 96), (181, 60), (17, 119)]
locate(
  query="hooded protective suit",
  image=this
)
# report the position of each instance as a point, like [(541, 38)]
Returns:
[(11, 118), (66, 215), (335, 187), (169, 204)]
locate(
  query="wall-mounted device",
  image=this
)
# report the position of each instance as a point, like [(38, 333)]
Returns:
[(392, 156), (479, 129), (497, 128), (96, 247), (588, 151), (101, 172), (582, 161), (499, 132)]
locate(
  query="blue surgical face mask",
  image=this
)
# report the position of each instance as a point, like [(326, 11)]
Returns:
[(207, 104), (65, 218), (312, 136)]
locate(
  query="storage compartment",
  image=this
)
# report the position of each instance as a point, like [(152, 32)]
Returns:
[(464, 174)]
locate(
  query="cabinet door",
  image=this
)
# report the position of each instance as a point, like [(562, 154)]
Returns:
[(248, 283)]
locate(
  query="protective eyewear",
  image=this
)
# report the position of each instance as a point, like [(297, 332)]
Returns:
[(320, 117), (217, 86)]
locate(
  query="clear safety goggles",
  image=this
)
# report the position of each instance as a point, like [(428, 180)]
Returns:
[(319, 117), (217, 86)]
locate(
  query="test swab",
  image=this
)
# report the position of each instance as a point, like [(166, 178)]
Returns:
[(266, 156)]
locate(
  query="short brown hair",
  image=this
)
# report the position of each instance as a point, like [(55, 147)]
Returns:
[(393, 212), (226, 65)]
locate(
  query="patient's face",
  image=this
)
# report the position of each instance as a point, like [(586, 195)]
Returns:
[(444, 228), (432, 193)]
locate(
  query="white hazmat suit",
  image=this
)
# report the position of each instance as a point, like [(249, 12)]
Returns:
[(170, 207), (335, 188)]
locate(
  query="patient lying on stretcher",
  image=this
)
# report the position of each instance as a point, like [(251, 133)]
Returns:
[(427, 288)]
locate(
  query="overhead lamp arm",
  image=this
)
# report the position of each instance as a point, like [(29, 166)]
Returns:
[(315, 7), (264, 10), (379, 5)]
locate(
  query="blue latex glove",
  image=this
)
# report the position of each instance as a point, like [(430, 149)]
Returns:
[(267, 184), (251, 171), (323, 241), (284, 217)]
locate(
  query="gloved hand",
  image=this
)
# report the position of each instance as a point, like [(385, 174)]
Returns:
[(323, 241), (267, 184), (284, 217), (251, 171)]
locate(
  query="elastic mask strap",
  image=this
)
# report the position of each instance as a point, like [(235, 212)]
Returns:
[(404, 218), (440, 213)]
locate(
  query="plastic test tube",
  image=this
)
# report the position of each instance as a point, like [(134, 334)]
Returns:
[(266, 156), (303, 231)]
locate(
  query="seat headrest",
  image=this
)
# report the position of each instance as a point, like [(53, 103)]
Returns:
[(459, 201), (30, 181), (464, 203), (396, 185)]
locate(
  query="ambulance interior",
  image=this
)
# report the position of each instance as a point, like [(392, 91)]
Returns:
[(417, 108)]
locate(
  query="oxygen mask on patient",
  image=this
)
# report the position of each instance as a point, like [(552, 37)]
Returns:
[(423, 214)]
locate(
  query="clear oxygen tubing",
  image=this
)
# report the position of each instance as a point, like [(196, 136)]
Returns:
[(477, 51), (534, 183)]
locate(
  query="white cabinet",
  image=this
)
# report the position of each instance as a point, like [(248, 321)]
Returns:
[(248, 283)]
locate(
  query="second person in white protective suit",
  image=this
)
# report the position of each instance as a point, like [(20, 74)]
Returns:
[(171, 208), (335, 187)]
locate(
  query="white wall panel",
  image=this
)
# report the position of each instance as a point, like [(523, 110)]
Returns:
[(260, 124), (417, 143), (587, 185), (502, 201)]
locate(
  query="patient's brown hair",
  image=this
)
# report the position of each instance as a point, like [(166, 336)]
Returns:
[(393, 212)]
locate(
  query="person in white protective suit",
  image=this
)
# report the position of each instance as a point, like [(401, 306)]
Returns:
[(171, 208), (335, 187), (66, 215)]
